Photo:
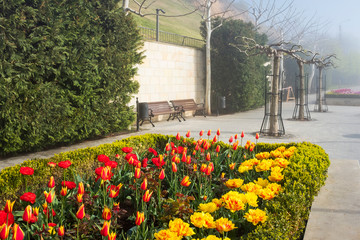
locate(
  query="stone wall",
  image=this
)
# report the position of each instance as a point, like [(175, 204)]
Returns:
[(171, 72)]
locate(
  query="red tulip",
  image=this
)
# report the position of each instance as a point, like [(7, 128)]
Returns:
[(218, 132), (4, 231), (257, 136), (144, 184), (70, 185), (185, 182), (9, 206), (61, 231), (137, 173), (162, 174), (167, 147), (147, 196), (127, 149), (106, 214), (80, 214), (63, 191), (188, 159), (111, 164), (217, 148), (153, 151), (231, 139), (178, 136), (6, 218), (242, 134), (64, 164), (140, 217), (174, 167), (201, 133), (26, 171), (106, 173), (112, 236), (103, 158), (188, 134), (113, 193), (81, 188), (49, 197), (209, 133), (27, 214), (105, 228), (236, 136), (208, 157), (51, 182), (28, 197), (18, 233), (144, 163), (183, 158), (215, 139), (79, 198)]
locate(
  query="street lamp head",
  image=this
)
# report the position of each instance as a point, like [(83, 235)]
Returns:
[(160, 10)]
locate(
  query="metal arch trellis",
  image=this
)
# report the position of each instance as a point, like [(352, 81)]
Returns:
[(298, 90), (265, 129)]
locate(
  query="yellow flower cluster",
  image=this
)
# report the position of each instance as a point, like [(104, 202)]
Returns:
[(211, 237), (248, 165), (255, 216), (276, 175), (264, 165), (234, 183), (262, 188), (202, 220), (209, 207), (262, 155), (177, 230)]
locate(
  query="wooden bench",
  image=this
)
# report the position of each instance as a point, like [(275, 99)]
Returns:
[(160, 108), (188, 105)]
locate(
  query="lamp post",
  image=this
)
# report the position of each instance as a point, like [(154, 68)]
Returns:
[(157, 22)]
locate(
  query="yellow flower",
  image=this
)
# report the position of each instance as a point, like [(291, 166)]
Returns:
[(208, 207), (243, 169), (276, 154), (180, 228), (262, 182), (251, 187), (266, 194), (255, 216), (224, 225), (234, 183), (281, 162), (202, 219), (218, 202), (213, 237), (234, 201), (281, 149), (264, 165), (166, 234), (262, 155), (276, 175), (276, 188), (251, 199)]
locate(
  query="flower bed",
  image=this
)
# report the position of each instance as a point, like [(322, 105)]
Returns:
[(165, 187), (343, 97)]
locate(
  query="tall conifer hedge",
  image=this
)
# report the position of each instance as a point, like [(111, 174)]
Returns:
[(66, 71)]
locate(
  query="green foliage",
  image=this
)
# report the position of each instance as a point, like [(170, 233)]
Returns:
[(234, 75), (65, 71)]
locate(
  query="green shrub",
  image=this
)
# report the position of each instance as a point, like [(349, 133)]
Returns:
[(65, 71)]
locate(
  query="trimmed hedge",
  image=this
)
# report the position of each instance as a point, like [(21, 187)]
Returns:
[(287, 213), (66, 71)]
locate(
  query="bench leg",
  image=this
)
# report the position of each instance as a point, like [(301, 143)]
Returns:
[(181, 115), (151, 122), (169, 117), (142, 122)]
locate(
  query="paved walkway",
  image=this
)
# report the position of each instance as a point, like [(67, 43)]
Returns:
[(335, 214)]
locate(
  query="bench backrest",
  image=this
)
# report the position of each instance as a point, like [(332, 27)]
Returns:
[(159, 107), (185, 103)]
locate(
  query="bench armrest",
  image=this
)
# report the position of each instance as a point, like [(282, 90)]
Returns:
[(200, 104)]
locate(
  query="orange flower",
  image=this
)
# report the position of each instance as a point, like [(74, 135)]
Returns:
[(162, 174), (112, 236), (81, 188), (144, 184), (137, 173), (49, 196), (80, 214), (27, 214), (231, 139), (185, 182), (218, 132), (63, 191), (209, 133), (232, 166), (9, 206), (178, 136), (201, 133), (147, 196), (51, 164), (242, 134), (61, 231), (181, 228), (208, 157), (215, 139), (217, 148), (106, 214), (105, 228), (51, 182), (188, 134), (4, 231), (257, 136), (18, 233), (106, 173), (140, 217)]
